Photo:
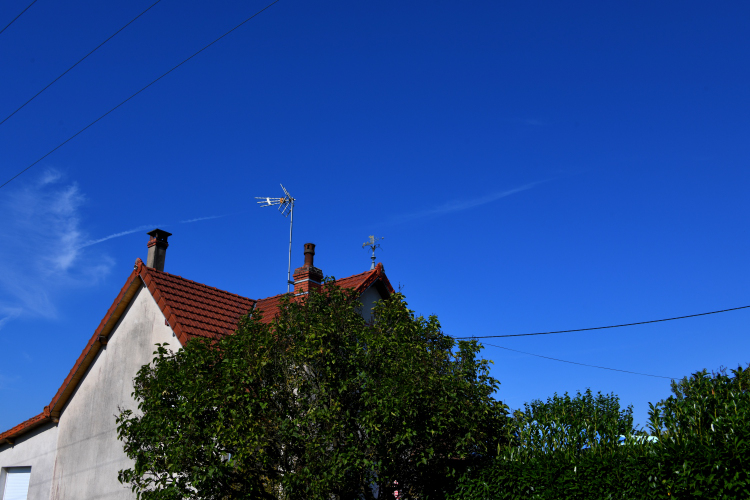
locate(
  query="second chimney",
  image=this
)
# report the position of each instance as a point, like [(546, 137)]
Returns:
[(308, 277), (157, 249)]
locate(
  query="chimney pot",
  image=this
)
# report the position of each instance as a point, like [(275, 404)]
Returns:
[(157, 249), (309, 254), (308, 277)]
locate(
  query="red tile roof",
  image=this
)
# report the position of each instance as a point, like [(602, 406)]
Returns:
[(9, 435), (268, 307), (362, 281), (193, 310), (359, 282)]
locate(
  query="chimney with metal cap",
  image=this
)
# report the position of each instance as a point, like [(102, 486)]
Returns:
[(308, 277), (157, 249)]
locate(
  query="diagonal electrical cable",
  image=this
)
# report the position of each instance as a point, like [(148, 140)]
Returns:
[(603, 327), (581, 364), (132, 96), (79, 62), (19, 15)]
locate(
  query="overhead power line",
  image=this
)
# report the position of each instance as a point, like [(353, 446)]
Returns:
[(79, 62), (135, 94), (19, 15), (603, 327), (581, 364)]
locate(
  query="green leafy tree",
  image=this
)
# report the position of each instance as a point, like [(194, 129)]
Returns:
[(703, 435), (316, 405), (572, 447), (586, 447), (584, 423)]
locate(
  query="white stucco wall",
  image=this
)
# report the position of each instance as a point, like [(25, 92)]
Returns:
[(89, 455), (35, 449), (368, 299), (79, 457)]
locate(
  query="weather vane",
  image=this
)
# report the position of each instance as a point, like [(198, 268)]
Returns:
[(286, 207), (373, 244)]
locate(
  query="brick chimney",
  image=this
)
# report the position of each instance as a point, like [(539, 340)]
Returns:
[(157, 249), (307, 277)]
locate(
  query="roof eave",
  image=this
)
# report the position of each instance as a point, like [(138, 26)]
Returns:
[(9, 436), (52, 412), (377, 277), (97, 340)]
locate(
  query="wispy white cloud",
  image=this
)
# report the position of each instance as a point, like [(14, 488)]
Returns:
[(117, 235), (42, 254), (466, 204), (45, 248), (146, 227), (203, 218), (7, 314)]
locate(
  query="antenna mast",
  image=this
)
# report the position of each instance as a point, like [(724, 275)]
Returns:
[(286, 207), (373, 244)]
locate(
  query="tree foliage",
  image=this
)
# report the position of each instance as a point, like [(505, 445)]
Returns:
[(583, 424), (317, 404), (703, 435), (580, 447), (586, 447)]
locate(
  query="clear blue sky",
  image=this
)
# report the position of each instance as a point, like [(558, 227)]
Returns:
[(532, 165)]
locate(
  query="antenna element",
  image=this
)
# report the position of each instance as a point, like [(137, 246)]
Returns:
[(373, 244), (286, 207)]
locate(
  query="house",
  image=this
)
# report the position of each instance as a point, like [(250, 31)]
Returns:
[(70, 450)]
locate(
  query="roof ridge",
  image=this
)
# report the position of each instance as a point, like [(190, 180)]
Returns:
[(277, 295), (336, 280), (358, 274), (157, 272)]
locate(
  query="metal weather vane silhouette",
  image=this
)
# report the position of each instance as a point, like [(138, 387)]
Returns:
[(373, 244)]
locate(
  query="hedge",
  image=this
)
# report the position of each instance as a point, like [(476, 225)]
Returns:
[(585, 447)]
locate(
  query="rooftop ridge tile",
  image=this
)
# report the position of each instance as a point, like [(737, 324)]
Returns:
[(165, 275)]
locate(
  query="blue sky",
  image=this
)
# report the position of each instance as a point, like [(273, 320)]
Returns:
[(532, 166)]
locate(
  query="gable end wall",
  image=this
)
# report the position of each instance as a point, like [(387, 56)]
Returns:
[(89, 455), (368, 299)]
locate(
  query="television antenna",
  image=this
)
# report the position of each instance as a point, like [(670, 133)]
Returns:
[(286, 207), (373, 244)]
